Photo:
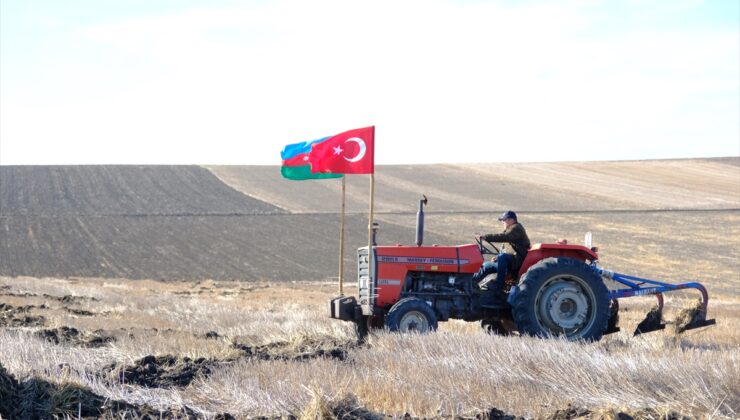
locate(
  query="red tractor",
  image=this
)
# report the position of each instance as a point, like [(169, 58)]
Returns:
[(559, 290)]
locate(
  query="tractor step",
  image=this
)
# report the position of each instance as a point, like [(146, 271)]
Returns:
[(495, 306)]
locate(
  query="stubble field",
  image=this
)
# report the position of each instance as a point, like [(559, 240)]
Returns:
[(178, 311), (205, 349)]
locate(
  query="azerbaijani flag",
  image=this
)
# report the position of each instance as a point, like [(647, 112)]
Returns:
[(295, 162)]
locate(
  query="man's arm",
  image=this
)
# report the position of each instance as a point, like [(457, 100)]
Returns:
[(514, 234)]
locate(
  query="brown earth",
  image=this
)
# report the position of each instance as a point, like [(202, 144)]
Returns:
[(11, 316), (35, 399), (247, 223), (127, 190), (71, 335), (484, 187), (169, 371)]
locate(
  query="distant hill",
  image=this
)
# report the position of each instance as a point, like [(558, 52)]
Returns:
[(247, 223), (631, 185), (126, 190)]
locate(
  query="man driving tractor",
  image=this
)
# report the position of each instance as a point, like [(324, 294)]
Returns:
[(511, 256)]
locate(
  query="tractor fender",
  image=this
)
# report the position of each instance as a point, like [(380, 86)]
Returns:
[(540, 252)]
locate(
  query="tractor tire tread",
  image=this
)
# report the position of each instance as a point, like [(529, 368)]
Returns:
[(523, 310), (393, 317)]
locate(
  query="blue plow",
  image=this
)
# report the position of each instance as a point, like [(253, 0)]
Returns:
[(636, 286)]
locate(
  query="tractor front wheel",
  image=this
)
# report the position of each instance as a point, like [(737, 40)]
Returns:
[(562, 296), (411, 314)]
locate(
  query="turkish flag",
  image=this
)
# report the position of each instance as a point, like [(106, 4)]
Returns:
[(351, 152)]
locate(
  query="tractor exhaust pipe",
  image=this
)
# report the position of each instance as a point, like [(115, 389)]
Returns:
[(420, 221)]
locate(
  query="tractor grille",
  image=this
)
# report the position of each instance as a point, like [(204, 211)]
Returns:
[(363, 277)]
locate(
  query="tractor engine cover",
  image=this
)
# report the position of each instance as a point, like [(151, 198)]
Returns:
[(395, 263)]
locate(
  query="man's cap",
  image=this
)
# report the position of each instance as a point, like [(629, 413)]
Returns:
[(508, 215)]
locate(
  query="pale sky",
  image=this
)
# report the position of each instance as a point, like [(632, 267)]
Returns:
[(232, 82)]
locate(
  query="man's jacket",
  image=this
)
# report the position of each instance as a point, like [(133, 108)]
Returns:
[(516, 237)]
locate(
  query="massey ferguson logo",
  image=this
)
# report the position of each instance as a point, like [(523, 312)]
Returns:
[(421, 260)]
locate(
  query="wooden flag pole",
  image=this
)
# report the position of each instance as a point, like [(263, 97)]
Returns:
[(370, 286), (341, 241)]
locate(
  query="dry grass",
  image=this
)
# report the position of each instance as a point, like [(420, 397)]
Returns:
[(457, 371)]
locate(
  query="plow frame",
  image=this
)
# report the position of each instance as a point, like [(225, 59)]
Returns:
[(636, 286)]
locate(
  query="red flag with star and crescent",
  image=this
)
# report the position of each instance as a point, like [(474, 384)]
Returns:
[(351, 152)]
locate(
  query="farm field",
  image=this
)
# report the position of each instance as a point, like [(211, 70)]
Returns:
[(550, 187), (208, 349), (200, 292), (247, 223)]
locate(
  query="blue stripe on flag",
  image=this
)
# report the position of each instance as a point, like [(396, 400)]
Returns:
[(293, 150)]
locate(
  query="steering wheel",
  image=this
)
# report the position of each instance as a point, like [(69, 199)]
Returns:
[(485, 247)]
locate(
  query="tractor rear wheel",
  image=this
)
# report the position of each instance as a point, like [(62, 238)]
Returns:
[(411, 314), (562, 296)]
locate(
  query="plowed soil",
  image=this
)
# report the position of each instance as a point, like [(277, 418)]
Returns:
[(544, 187), (169, 371), (73, 336), (11, 316), (247, 223), (36, 399), (106, 190), (161, 371)]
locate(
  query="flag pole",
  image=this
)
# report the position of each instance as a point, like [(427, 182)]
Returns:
[(341, 241), (371, 285)]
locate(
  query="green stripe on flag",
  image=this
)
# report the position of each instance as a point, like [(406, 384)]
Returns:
[(303, 172)]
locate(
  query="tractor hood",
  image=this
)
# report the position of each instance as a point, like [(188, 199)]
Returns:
[(451, 259)]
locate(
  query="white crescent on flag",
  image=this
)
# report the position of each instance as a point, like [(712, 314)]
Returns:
[(361, 153)]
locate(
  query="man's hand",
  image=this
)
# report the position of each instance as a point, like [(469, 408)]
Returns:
[(494, 258)]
